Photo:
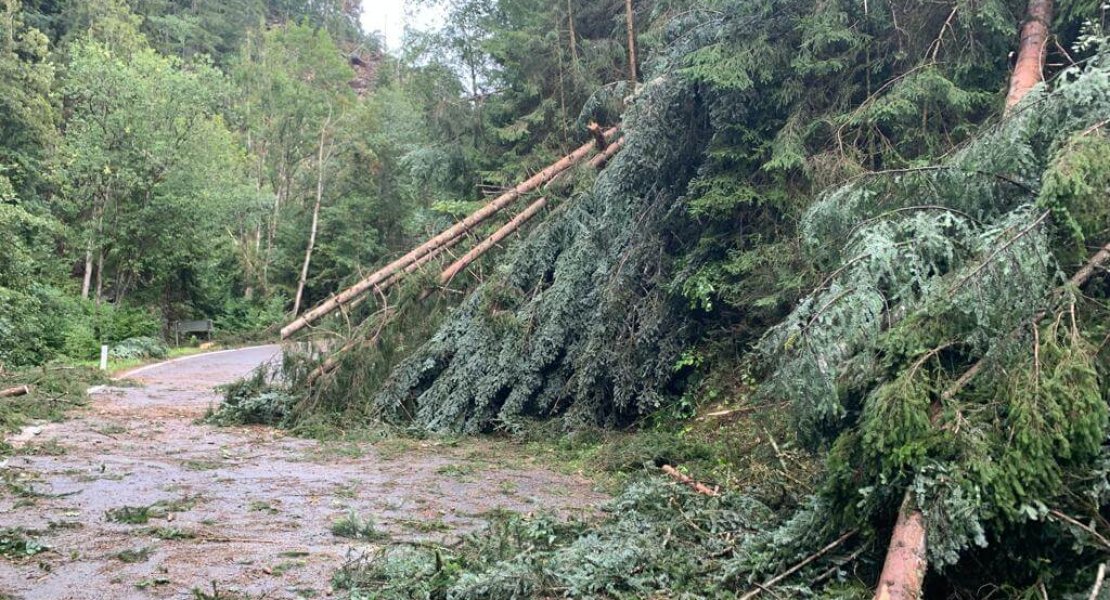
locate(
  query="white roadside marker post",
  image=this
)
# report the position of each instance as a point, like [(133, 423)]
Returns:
[(104, 357)]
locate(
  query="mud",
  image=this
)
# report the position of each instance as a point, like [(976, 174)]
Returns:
[(255, 506)]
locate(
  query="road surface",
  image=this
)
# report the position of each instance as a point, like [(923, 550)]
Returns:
[(246, 509)]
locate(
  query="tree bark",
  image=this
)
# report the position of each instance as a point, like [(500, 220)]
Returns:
[(1029, 68), (629, 15), (599, 161), (86, 283), (333, 303), (573, 34), (21, 390), (906, 562), (321, 161), (904, 568), (505, 231)]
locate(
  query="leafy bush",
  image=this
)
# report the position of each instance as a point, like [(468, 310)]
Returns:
[(139, 347)]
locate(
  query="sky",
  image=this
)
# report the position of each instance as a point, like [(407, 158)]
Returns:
[(390, 18)]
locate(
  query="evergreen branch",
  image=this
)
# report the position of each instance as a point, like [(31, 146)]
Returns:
[(799, 566), (959, 284)]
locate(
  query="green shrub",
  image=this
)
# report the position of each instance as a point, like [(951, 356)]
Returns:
[(140, 347)]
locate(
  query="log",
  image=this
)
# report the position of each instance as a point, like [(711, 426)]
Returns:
[(697, 486), (904, 568), (397, 277), (1029, 68), (905, 564), (21, 390), (450, 272), (328, 306), (505, 231), (599, 161), (332, 361)]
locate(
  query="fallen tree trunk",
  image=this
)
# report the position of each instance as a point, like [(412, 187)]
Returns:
[(905, 564), (1029, 67), (697, 486), (599, 161), (21, 390), (397, 277), (332, 361), (333, 303), (505, 231)]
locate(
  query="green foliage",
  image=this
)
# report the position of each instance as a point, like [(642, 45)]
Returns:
[(139, 347), (639, 548), (356, 528), (15, 544), (255, 400)]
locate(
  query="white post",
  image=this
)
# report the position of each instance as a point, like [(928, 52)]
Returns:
[(104, 357)]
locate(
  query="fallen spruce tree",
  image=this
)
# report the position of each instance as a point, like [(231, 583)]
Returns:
[(909, 275), (955, 348)]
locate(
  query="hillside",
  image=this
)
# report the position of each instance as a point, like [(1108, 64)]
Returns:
[(803, 281)]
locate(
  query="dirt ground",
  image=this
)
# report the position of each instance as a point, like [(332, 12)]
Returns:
[(244, 509)]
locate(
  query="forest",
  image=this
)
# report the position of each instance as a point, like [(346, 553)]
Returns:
[(821, 289)]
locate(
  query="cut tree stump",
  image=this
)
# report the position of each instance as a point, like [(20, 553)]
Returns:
[(21, 390)]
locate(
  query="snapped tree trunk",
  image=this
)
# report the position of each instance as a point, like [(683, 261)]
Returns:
[(328, 306), (321, 163), (905, 564), (21, 390), (1029, 68)]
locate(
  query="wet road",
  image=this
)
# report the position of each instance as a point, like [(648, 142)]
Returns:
[(246, 509)]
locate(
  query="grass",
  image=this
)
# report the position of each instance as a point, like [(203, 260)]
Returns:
[(17, 543), (353, 527), (133, 555), (141, 515), (117, 366)]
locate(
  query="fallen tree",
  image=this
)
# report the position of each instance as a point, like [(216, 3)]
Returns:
[(905, 564), (493, 207)]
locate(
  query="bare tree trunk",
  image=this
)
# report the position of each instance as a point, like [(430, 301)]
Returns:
[(631, 23), (321, 161), (505, 231), (905, 565), (99, 274), (328, 306), (86, 284), (573, 34), (1029, 68)]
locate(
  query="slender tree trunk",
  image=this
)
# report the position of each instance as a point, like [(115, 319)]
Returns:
[(321, 163), (1029, 68), (346, 296), (505, 231), (99, 275), (631, 22), (86, 283), (573, 34)]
